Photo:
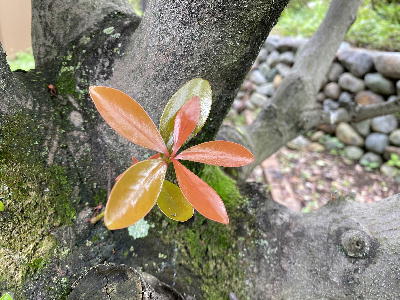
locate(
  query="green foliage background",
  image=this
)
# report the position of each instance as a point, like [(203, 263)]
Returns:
[(377, 25)]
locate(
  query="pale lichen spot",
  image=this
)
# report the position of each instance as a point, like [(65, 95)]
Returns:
[(140, 229), (76, 118)]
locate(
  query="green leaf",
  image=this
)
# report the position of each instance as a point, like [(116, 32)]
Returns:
[(1, 209), (195, 87), (6, 296), (173, 203)]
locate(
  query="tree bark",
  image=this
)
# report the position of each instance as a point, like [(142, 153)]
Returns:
[(57, 156)]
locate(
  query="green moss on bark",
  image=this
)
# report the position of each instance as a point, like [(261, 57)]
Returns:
[(36, 199), (211, 251)]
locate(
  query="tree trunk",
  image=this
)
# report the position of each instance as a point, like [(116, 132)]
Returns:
[(58, 160)]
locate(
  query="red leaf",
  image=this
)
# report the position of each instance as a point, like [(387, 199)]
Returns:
[(135, 193), (219, 153), (127, 117), (203, 198), (185, 122)]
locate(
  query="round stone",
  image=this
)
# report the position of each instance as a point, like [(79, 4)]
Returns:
[(315, 147), (363, 127), (258, 99), (330, 105), (335, 71), (353, 152), (371, 159), (257, 77), (351, 83), (379, 84), (266, 89), (332, 90), (368, 97), (358, 62), (287, 58), (384, 124), (377, 142), (348, 135), (395, 137), (389, 170), (345, 98), (388, 64)]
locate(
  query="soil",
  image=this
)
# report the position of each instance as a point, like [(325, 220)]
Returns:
[(303, 180)]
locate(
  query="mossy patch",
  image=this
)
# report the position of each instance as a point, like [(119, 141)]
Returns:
[(36, 199), (211, 251), (66, 83)]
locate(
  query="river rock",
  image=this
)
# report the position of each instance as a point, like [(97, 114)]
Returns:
[(390, 171), (266, 89), (321, 97), (315, 147), (277, 81), (345, 98), (290, 43), (258, 99), (273, 59), (287, 58), (349, 82), (257, 77), (298, 143), (384, 124), (357, 62), (395, 137), (371, 158), (268, 73), (271, 42), (379, 84), (368, 97), (348, 135), (283, 69), (316, 136), (262, 55), (335, 71), (377, 142), (353, 152), (363, 127), (388, 64), (398, 87), (330, 105), (332, 90), (393, 98)]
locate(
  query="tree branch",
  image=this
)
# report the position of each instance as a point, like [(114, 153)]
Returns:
[(55, 24), (283, 119), (357, 113)]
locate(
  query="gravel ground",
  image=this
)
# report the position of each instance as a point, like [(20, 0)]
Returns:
[(304, 180)]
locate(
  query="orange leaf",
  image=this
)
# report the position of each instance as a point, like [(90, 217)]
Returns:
[(127, 117), (135, 193), (185, 122), (219, 153), (203, 198)]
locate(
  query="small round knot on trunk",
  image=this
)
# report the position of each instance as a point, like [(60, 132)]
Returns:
[(356, 243)]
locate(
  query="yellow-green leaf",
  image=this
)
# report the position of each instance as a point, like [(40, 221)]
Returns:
[(173, 204), (195, 87), (135, 193)]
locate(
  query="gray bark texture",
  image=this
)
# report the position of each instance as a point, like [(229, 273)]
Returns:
[(58, 160)]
